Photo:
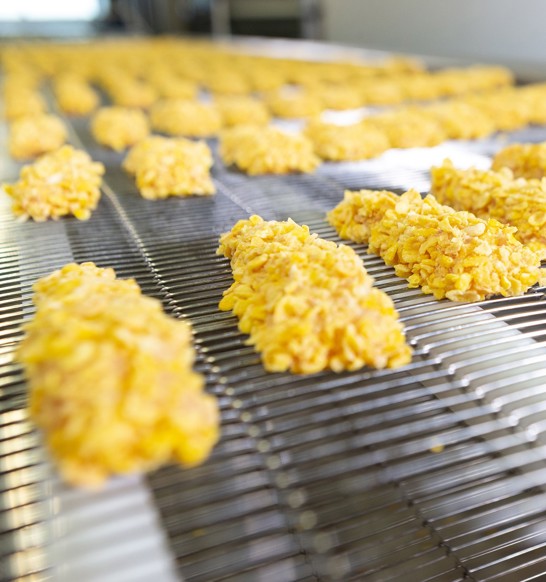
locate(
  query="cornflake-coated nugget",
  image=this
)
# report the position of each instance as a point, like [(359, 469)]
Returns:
[(307, 303), (111, 379), (34, 135), (171, 167), (447, 253), (181, 117), (242, 110), (526, 160), (119, 127), (489, 194), (267, 150), (60, 183), (346, 142), (74, 95)]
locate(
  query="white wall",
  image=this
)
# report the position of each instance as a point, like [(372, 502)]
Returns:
[(511, 32)]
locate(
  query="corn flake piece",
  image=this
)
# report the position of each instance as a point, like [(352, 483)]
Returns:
[(111, 379), (60, 183), (490, 194), (118, 127), (267, 150), (170, 167), (34, 135), (446, 253), (308, 304)]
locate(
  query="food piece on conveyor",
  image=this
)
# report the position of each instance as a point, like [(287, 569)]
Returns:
[(346, 142), (171, 86), (504, 107), (61, 183), (111, 380), (267, 150), (242, 110), (445, 252), (525, 160), (292, 103), (74, 95), (495, 194), (408, 127), (461, 120), (534, 96), (119, 128), (381, 91), (340, 97), (170, 167), (181, 117), (22, 102), (307, 303), (126, 91), (223, 81), (34, 135)]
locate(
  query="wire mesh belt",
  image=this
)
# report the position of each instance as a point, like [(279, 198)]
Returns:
[(432, 472)]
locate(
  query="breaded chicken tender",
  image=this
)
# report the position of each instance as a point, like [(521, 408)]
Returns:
[(170, 167), (182, 117), (267, 150), (307, 303), (525, 160), (119, 127), (34, 135), (61, 183), (446, 253), (496, 194), (111, 380)]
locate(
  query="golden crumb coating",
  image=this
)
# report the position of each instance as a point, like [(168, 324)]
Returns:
[(34, 135), (74, 95), (340, 97), (181, 117), (408, 127), (111, 380), (461, 120), (307, 303), (170, 167), (242, 110), (496, 194), (267, 150), (23, 104), (445, 252), (293, 104), (346, 142), (61, 183), (504, 107), (526, 160), (119, 127)]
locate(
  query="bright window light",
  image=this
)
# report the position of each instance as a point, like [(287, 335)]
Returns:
[(50, 10)]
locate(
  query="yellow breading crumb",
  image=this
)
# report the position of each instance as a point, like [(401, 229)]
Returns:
[(504, 107), (237, 110), (119, 127), (346, 142), (408, 127), (267, 150), (111, 380), (170, 167), (461, 120), (74, 95), (35, 135), (489, 194), (447, 253), (185, 118), (307, 303), (525, 160), (61, 183), (293, 104)]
